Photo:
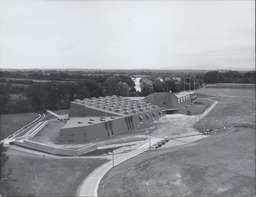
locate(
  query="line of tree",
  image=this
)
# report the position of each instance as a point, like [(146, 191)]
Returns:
[(229, 77), (54, 95), (18, 96)]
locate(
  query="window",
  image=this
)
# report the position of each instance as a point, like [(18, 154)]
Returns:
[(164, 103)]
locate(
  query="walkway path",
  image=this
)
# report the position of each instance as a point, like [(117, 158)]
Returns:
[(90, 185)]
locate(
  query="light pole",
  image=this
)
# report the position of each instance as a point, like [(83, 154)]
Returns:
[(149, 139), (184, 83), (189, 83), (113, 158)]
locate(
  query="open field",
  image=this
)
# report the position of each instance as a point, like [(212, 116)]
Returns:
[(236, 107), (42, 176), (220, 165), (16, 84), (13, 122), (227, 92), (16, 97)]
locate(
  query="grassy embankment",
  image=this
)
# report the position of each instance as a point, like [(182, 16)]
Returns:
[(220, 165), (199, 106), (9, 123), (41, 176), (236, 107)]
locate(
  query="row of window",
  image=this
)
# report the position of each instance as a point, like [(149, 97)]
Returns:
[(182, 99)]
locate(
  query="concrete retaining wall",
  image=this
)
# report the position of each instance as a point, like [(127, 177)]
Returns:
[(56, 150)]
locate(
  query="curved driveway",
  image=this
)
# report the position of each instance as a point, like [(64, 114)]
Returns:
[(89, 186)]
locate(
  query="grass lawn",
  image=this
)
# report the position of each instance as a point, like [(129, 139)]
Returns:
[(199, 106), (9, 123), (41, 176), (16, 97), (220, 165), (227, 92), (230, 111)]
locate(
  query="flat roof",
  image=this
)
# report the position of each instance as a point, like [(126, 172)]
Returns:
[(85, 121)]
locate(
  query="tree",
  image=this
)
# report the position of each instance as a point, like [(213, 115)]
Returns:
[(146, 87), (5, 174), (158, 86), (213, 77), (122, 89), (110, 84)]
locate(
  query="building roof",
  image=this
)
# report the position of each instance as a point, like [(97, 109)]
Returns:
[(86, 121), (119, 106)]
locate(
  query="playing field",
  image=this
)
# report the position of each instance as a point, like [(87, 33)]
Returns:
[(221, 165), (9, 123)]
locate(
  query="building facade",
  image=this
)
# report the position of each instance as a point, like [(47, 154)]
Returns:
[(105, 117)]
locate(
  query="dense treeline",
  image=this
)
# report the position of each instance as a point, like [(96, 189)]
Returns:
[(37, 97), (229, 77), (23, 94)]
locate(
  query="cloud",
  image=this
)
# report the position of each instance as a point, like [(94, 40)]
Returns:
[(133, 34)]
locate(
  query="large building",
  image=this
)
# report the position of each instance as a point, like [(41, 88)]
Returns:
[(105, 117)]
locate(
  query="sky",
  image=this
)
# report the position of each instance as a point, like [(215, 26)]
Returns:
[(122, 34)]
